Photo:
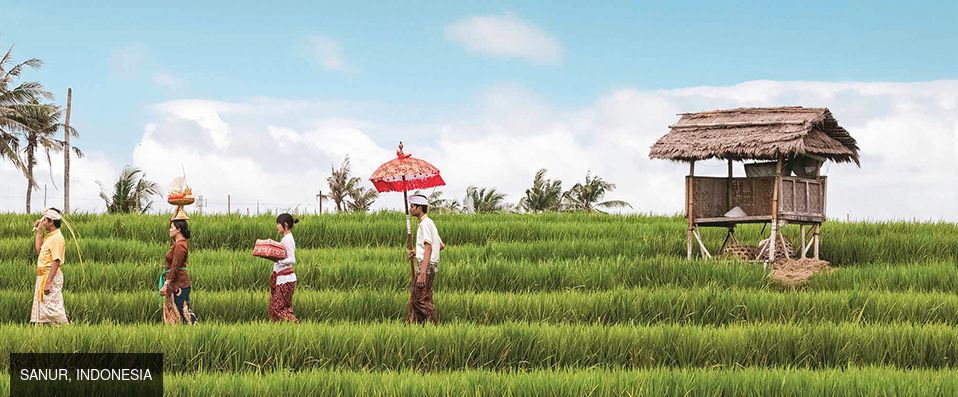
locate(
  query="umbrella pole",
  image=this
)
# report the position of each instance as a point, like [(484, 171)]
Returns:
[(412, 261)]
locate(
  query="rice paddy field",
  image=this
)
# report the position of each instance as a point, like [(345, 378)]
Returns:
[(530, 305)]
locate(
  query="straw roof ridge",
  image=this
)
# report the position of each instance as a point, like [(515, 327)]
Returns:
[(757, 134)]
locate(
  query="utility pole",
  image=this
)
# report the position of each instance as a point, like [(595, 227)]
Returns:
[(45, 196), (319, 198), (228, 204)]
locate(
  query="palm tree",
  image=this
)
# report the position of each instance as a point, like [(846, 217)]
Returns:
[(11, 97), (41, 123), (544, 195), (586, 196), (340, 185), (484, 200), (437, 203), (347, 192), (361, 198), (131, 192)]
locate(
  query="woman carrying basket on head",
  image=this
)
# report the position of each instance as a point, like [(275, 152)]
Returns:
[(175, 281), (283, 281)]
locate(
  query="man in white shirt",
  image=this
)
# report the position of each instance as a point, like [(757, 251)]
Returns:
[(428, 244)]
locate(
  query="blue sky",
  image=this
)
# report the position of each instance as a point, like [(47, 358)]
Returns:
[(398, 54), (429, 66)]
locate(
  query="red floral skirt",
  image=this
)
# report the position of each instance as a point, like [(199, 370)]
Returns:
[(281, 298)]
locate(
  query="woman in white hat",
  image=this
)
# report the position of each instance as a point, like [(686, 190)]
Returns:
[(51, 250)]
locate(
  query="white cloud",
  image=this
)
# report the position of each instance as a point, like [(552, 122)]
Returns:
[(327, 52), (505, 36), (279, 152), (127, 62), (204, 113), (84, 191)]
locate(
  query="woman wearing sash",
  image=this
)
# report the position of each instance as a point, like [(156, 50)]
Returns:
[(175, 281), (283, 281)]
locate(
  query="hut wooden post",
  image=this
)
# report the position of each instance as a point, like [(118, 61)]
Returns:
[(728, 186), (816, 238), (775, 193), (689, 207), (803, 241)]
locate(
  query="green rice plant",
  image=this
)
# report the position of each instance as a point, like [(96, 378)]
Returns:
[(842, 243), (592, 382), (595, 382), (501, 347), (919, 277), (681, 382), (663, 305), (465, 269)]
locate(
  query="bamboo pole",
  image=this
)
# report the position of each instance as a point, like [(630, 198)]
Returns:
[(704, 251), (775, 192), (816, 238), (803, 241), (412, 261), (689, 182), (66, 154)]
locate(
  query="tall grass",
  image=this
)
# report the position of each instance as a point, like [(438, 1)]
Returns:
[(511, 346), (842, 244), (378, 268), (699, 306), (682, 382)]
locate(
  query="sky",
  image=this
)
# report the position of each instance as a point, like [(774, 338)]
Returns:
[(258, 100)]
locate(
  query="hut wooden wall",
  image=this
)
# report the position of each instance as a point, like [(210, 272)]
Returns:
[(799, 196), (802, 196)]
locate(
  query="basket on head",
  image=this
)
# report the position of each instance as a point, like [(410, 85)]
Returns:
[(181, 201)]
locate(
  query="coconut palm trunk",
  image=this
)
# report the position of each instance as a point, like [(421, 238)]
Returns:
[(66, 154), (31, 161)]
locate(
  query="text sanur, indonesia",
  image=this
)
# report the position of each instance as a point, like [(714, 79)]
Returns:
[(86, 374)]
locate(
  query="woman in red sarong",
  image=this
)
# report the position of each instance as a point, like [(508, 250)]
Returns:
[(283, 281)]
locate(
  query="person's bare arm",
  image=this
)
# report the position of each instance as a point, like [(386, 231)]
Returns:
[(53, 272), (38, 242), (427, 254)]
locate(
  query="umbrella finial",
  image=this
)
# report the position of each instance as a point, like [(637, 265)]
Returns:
[(399, 153)]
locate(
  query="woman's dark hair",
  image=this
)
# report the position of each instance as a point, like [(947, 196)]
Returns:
[(286, 220), (183, 227)]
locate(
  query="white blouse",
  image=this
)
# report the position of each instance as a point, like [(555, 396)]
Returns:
[(287, 263)]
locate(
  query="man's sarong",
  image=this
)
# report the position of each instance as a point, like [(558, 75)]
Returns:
[(421, 306), (48, 308)]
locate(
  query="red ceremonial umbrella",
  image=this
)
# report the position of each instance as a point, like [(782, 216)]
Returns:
[(402, 174)]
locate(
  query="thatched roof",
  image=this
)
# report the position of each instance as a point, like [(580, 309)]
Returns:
[(757, 134)]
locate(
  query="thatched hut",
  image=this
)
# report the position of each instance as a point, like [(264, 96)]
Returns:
[(786, 188)]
